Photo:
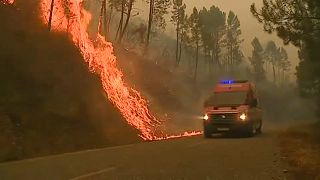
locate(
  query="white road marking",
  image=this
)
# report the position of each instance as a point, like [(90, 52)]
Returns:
[(93, 173)]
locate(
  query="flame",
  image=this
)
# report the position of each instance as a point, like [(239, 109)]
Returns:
[(7, 1), (69, 16)]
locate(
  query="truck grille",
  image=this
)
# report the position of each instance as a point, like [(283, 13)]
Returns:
[(224, 118)]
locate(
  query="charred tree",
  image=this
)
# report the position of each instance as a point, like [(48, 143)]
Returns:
[(121, 19), (50, 16), (127, 21), (151, 8)]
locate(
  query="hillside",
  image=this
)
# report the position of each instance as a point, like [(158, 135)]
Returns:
[(49, 101)]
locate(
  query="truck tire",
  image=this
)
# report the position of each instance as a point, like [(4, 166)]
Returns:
[(251, 130), (259, 130), (207, 132)]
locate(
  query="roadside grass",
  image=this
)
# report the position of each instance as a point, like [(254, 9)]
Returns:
[(301, 149)]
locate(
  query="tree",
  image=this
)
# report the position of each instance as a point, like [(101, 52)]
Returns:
[(257, 60), (157, 10), (50, 16), (184, 36), (195, 35), (129, 9), (123, 2), (272, 55), (178, 15), (213, 23), (297, 22), (284, 65), (293, 20), (160, 10), (206, 25), (233, 41), (151, 9), (103, 18)]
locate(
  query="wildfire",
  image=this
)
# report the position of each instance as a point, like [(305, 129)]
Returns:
[(69, 16), (7, 1)]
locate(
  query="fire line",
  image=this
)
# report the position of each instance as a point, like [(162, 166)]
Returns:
[(69, 16)]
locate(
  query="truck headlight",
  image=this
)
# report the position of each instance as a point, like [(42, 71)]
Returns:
[(243, 117), (205, 117)]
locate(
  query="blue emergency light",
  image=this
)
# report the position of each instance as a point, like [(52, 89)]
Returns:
[(227, 82), (233, 81)]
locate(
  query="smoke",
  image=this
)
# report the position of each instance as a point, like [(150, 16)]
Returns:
[(282, 104)]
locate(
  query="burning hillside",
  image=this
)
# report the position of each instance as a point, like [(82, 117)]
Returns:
[(69, 16)]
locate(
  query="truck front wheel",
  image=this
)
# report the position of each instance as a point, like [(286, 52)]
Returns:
[(207, 132), (251, 130), (259, 130)]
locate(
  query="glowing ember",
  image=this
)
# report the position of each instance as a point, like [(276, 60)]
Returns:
[(69, 16), (7, 1)]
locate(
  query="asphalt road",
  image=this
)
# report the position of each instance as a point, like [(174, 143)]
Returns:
[(196, 158)]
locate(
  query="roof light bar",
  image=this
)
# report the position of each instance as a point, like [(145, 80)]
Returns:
[(227, 82), (233, 81)]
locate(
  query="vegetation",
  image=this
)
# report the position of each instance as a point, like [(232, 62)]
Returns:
[(233, 41), (41, 112), (297, 22), (257, 61), (209, 39), (213, 23)]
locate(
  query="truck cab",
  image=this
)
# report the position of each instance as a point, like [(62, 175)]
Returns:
[(232, 107)]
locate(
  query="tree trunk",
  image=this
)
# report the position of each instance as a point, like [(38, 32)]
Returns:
[(109, 21), (121, 19), (105, 21), (231, 58), (197, 59), (274, 73), (212, 60), (216, 54), (180, 52), (177, 43), (150, 22), (127, 21), (50, 16), (100, 27)]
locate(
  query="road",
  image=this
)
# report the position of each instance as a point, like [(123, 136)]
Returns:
[(179, 159)]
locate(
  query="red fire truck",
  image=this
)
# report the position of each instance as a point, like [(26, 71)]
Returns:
[(233, 107)]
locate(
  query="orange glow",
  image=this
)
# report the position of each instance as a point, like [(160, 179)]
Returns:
[(69, 16), (7, 1)]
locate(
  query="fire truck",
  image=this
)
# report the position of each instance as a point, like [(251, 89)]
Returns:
[(233, 107)]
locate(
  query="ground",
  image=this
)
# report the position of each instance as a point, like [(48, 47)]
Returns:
[(186, 158), (301, 149)]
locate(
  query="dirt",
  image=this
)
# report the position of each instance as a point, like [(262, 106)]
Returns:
[(301, 149)]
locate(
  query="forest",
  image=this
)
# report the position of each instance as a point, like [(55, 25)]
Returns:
[(206, 42)]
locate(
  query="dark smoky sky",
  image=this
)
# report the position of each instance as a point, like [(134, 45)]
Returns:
[(249, 25)]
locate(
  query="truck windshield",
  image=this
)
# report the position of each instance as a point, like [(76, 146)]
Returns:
[(227, 98)]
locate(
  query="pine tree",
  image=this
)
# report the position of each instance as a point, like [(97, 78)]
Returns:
[(257, 60), (178, 15), (233, 41), (195, 36)]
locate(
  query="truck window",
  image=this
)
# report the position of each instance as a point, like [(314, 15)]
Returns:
[(227, 98)]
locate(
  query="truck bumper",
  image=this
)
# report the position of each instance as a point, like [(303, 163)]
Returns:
[(231, 127)]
